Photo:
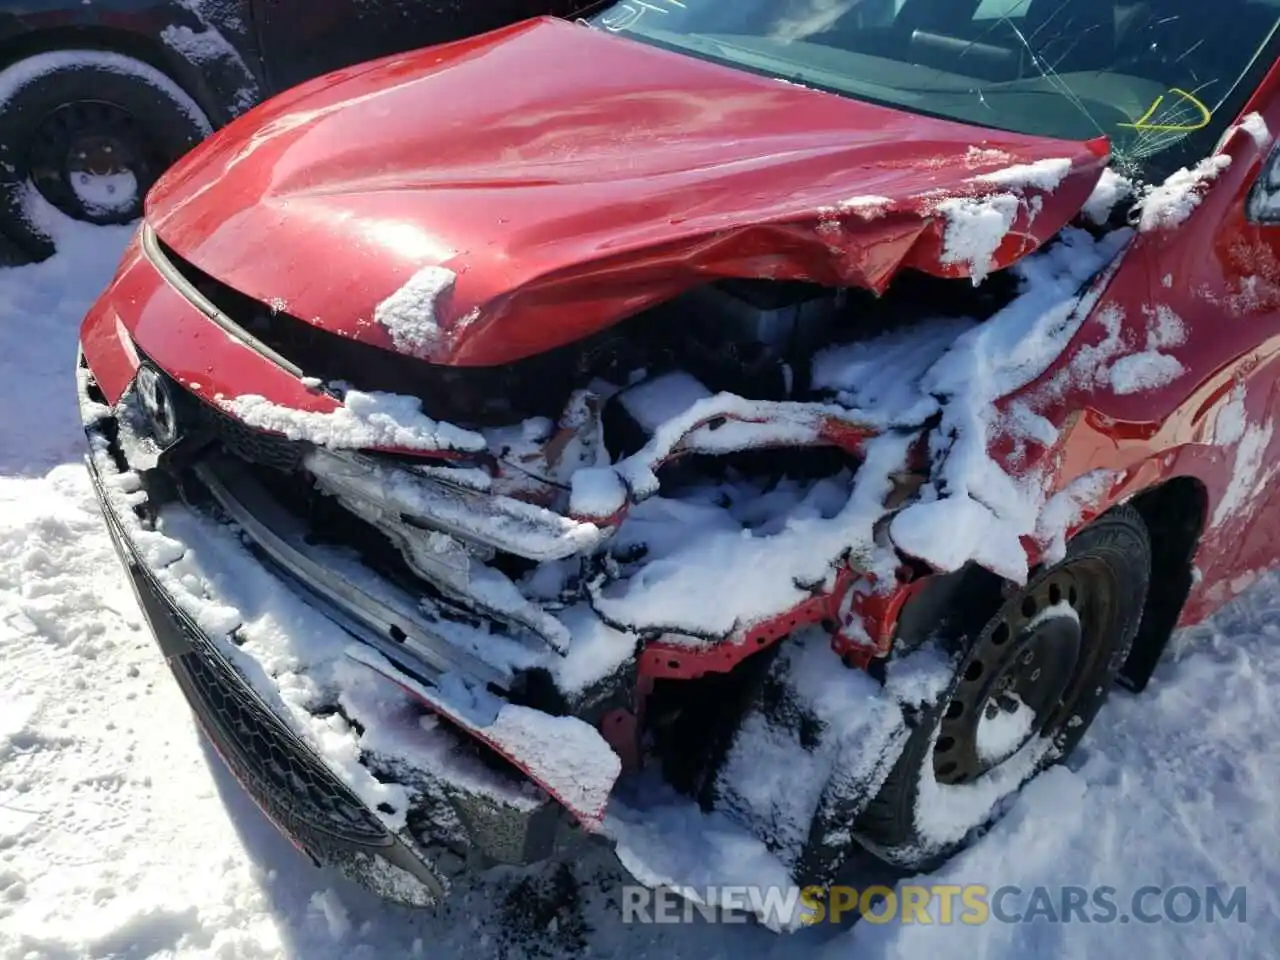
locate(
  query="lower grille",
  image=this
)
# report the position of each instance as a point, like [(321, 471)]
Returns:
[(256, 446), (262, 754), (292, 786)]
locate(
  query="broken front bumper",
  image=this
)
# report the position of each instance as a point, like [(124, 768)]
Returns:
[(508, 806)]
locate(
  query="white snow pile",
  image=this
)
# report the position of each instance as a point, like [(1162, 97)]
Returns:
[(411, 314), (1065, 509), (773, 786), (1251, 475), (565, 754), (1112, 189), (1255, 125), (1046, 175), (976, 227), (985, 511), (372, 419), (1150, 368), (1170, 204)]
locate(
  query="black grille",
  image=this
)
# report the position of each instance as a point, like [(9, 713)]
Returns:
[(256, 446), (297, 791)]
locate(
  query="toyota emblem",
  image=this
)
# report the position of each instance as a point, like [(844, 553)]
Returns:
[(156, 400)]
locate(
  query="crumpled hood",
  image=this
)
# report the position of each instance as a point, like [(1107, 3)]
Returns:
[(564, 178)]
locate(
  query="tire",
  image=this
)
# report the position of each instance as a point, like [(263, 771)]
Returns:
[(83, 136), (1103, 581)]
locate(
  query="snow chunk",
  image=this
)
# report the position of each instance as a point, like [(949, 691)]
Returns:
[(884, 373), (1254, 125), (1247, 473), (946, 813), (410, 314), (868, 208), (669, 842), (1112, 189), (1230, 423), (597, 493), (984, 511), (1067, 508), (1144, 371), (364, 420), (1165, 329), (1000, 735), (969, 535), (1044, 175), (975, 230), (598, 651), (565, 753), (1171, 203), (654, 402)]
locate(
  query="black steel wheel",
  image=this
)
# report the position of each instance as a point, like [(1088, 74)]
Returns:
[(83, 136), (1027, 685)]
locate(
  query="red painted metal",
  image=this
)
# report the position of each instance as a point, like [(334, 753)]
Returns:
[(878, 613), (621, 730), (571, 178)]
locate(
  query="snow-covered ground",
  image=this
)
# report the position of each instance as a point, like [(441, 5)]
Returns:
[(122, 836)]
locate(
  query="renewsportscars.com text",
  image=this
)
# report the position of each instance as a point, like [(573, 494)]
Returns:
[(970, 904)]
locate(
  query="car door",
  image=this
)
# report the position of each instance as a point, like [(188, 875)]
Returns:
[(301, 39)]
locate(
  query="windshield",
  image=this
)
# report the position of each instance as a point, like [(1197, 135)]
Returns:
[(1148, 75)]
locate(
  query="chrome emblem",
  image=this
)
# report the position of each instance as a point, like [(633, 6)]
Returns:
[(156, 400)]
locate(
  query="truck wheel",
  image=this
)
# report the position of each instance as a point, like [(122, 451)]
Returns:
[(83, 136), (1025, 690)]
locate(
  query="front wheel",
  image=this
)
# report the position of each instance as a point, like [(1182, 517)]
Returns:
[(83, 136), (1025, 690)]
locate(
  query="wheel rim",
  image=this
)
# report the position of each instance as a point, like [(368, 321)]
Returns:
[(1024, 672), (93, 161)]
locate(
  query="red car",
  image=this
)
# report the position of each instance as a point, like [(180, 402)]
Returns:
[(807, 409)]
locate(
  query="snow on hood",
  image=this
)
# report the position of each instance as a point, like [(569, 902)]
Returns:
[(390, 204)]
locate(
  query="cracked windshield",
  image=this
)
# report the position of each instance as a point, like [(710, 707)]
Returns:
[(1147, 75)]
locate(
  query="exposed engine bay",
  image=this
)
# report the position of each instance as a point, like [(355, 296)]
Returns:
[(723, 431)]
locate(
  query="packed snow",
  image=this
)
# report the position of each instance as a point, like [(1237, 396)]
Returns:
[(122, 835), (1171, 203), (1044, 175), (105, 193), (410, 315), (361, 420), (975, 230), (1112, 189)]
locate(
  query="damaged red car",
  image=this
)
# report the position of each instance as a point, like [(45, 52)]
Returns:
[(788, 418)]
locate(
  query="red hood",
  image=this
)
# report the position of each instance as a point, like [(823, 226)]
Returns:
[(570, 177)]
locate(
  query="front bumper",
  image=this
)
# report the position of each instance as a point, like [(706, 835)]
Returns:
[(457, 811)]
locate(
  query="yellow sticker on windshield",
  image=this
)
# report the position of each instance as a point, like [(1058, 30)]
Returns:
[(1199, 116)]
